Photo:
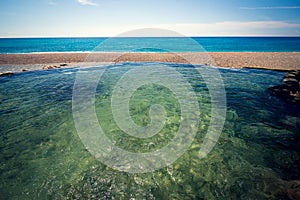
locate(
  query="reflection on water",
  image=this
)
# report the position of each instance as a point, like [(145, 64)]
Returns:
[(42, 156)]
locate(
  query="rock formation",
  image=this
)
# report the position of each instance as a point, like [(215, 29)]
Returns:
[(6, 73), (290, 88), (50, 67)]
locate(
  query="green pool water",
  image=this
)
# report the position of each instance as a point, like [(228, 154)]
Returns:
[(42, 156)]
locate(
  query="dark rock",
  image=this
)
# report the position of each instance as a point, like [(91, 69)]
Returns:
[(289, 190), (293, 191), (6, 73), (51, 67), (63, 65), (290, 88)]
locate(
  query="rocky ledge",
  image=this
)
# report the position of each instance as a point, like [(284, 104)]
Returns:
[(51, 66), (45, 67), (6, 73), (290, 88)]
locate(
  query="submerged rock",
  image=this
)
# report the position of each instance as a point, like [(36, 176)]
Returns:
[(288, 190), (290, 88)]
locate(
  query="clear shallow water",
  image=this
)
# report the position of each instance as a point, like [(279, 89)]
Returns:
[(256, 157), (210, 44)]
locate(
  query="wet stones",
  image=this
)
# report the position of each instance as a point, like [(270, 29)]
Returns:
[(45, 67), (290, 88), (289, 190), (50, 67), (55, 66), (6, 73)]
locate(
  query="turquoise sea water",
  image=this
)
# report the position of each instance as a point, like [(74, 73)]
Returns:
[(42, 157), (210, 44)]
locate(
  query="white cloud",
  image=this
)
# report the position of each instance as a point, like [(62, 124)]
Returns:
[(270, 7), (259, 24), (52, 3), (87, 2), (226, 28)]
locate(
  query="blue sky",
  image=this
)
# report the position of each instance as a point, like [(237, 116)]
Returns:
[(44, 18)]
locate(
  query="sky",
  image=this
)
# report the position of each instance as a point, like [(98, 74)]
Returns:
[(83, 18)]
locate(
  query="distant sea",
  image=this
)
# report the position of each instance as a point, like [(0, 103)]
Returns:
[(150, 44)]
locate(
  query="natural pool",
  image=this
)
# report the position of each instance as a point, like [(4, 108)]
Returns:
[(42, 156)]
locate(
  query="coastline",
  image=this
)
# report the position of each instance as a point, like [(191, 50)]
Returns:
[(283, 61)]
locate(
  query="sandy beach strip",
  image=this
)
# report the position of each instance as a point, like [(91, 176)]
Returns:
[(264, 60)]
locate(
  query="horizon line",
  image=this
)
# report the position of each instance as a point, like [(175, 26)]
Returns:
[(19, 37)]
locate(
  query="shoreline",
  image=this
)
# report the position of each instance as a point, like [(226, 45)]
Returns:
[(283, 61)]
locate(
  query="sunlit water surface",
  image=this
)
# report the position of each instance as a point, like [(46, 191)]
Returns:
[(256, 157)]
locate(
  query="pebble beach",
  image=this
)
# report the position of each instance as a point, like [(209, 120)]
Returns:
[(284, 61)]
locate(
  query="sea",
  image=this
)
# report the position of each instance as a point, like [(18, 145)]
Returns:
[(46, 117), (150, 44)]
